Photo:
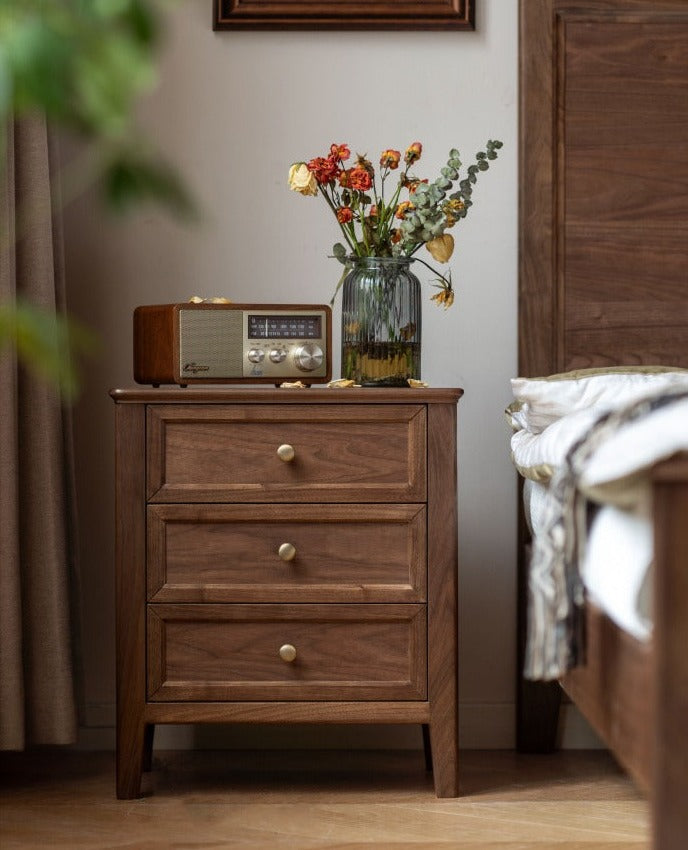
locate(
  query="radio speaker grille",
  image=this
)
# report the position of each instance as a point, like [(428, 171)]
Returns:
[(210, 343)]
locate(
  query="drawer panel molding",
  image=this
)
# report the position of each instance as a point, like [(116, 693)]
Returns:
[(280, 553), (241, 652), (340, 453)]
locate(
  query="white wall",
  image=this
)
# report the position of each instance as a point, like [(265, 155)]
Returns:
[(233, 111)]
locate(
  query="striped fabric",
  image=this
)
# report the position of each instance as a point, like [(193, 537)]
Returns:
[(556, 637)]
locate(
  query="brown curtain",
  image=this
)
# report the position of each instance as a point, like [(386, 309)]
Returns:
[(37, 564)]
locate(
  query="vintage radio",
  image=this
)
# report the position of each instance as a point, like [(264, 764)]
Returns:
[(232, 343)]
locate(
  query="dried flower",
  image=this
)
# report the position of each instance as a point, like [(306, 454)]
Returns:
[(445, 297), (340, 152), (403, 208), (413, 185), (413, 153), (390, 159), (302, 180), (441, 247), (365, 164), (360, 179), (324, 168)]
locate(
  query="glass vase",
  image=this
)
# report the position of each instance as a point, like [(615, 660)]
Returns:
[(381, 322)]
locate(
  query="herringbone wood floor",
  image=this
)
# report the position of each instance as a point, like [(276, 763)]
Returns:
[(306, 800)]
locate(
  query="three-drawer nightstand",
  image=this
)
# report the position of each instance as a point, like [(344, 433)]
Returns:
[(286, 556)]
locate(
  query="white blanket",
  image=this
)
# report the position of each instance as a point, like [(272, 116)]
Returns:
[(605, 463)]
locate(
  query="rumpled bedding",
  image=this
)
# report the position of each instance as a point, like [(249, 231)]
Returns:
[(587, 476)]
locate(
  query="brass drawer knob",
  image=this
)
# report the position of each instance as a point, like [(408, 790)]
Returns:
[(286, 452), (287, 652), (287, 551)]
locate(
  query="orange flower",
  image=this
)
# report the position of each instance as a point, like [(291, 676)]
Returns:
[(360, 179), (451, 209), (395, 236), (413, 153), (445, 297), (403, 208), (414, 184), (340, 152), (325, 169), (345, 215), (390, 159)]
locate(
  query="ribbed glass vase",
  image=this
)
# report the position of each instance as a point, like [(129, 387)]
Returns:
[(381, 322)]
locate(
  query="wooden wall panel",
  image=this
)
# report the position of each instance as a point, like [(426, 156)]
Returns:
[(604, 194), (622, 99)]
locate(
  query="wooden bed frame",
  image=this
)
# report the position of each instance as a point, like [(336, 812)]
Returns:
[(603, 280)]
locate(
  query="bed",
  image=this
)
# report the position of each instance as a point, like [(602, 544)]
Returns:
[(603, 282)]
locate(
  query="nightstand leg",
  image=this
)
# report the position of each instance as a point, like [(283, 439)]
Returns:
[(445, 751), (131, 749), (443, 599), (148, 736), (427, 747)]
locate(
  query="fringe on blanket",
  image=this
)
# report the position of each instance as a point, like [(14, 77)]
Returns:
[(556, 595)]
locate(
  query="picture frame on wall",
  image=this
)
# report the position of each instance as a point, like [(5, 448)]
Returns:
[(344, 15)]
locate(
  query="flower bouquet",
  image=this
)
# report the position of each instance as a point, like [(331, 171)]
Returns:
[(374, 225), (383, 229)]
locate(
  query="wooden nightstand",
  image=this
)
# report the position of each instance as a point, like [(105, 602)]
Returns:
[(286, 556)]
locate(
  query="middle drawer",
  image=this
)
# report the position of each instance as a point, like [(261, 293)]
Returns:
[(286, 553)]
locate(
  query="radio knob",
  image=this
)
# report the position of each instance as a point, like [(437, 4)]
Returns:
[(256, 355), (308, 357), (277, 355)]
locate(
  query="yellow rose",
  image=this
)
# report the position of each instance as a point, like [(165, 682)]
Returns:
[(441, 247), (302, 180)]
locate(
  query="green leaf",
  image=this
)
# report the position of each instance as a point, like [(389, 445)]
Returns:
[(339, 252), (340, 282), (48, 343)]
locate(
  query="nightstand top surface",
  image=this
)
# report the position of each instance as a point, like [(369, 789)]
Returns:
[(227, 394)]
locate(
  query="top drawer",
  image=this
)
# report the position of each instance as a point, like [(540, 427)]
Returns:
[(341, 453)]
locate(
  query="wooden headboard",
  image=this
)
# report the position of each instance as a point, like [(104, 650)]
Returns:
[(604, 184), (603, 232)]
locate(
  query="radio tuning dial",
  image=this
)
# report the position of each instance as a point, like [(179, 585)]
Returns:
[(277, 355), (256, 355), (308, 357)]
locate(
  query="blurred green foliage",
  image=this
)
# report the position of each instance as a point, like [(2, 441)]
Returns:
[(46, 343), (84, 64)]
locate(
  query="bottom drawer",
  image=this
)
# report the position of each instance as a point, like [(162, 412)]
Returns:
[(242, 652)]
